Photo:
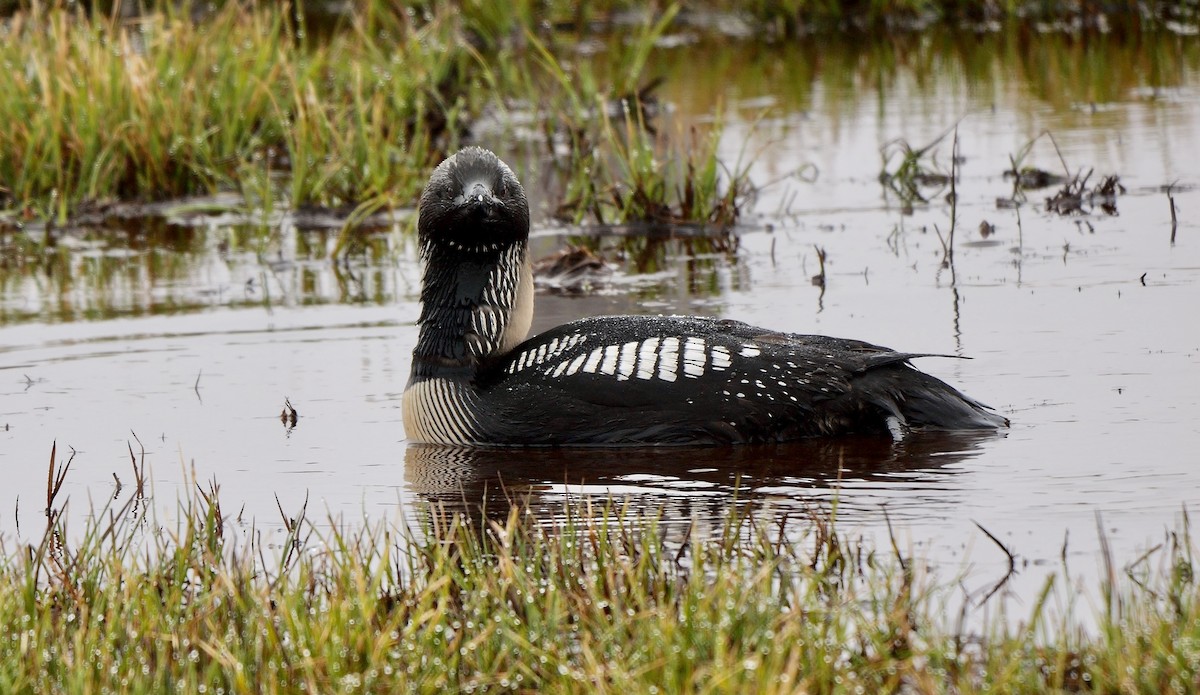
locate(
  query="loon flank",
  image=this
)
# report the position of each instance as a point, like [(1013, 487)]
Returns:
[(615, 380)]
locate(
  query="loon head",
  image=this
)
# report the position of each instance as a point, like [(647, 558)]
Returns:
[(477, 285), (472, 205)]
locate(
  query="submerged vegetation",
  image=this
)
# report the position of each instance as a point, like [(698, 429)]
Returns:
[(602, 599)]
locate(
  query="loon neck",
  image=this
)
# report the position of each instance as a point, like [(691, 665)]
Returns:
[(474, 306)]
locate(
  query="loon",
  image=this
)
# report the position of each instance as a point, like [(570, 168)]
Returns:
[(623, 380)]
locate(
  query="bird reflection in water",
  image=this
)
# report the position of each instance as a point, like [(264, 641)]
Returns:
[(688, 483)]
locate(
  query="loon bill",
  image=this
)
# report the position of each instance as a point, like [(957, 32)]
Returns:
[(615, 380)]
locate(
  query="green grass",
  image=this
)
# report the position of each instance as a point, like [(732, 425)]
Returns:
[(599, 599), (297, 107), (244, 99), (164, 106)]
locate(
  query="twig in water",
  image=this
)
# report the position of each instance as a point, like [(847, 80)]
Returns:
[(819, 278), (1174, 219), (288, 416), (895, 546), (1012, 563), (139, 469), (196, 386), (54, 481)]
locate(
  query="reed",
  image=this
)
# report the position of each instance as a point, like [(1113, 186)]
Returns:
[(600, 598), (162, 105)]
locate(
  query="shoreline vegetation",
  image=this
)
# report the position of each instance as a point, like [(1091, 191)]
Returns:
[(598, 598), (302, 107)]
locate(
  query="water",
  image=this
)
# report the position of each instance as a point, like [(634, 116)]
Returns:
[(185, 338)]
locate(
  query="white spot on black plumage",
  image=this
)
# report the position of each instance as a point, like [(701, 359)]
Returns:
[(750, 350)]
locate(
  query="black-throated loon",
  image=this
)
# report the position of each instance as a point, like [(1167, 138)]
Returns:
[(623, 379)]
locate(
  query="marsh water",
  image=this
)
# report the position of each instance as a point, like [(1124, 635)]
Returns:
[(182, 335)]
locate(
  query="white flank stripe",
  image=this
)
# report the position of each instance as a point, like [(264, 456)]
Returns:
[(593, 360), (628, 361), (541, 354), (750, 350), (553, 350), (647, 357), (694, 357), (668, 359), (720, 357), (609, 365), (575, 365), (562, 367)]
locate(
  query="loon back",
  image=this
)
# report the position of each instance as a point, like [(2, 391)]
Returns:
[(624, 379)]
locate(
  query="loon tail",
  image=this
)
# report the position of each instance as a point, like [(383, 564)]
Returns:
[(920, 401)]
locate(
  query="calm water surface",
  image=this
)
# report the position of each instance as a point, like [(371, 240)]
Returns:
[(1083, 329)]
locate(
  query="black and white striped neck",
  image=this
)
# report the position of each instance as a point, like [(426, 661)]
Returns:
[(474, 306), (477, 288)]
